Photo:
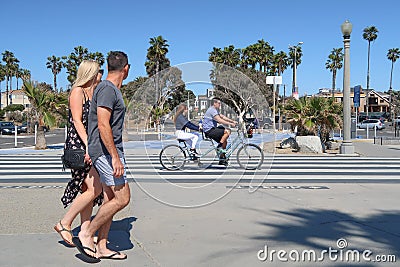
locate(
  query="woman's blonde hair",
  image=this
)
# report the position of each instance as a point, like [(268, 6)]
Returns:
[(87, 70)]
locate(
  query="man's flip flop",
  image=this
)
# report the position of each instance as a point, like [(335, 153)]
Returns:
[(82, 249), (112, 256)]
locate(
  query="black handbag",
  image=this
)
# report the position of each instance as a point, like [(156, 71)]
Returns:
[(73, 158)]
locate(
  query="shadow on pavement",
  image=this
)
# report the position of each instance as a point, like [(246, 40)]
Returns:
[(314, 229), (119, 237)]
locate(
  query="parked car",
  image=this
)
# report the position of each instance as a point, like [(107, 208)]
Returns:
[(267, 123), (25, 125), (8, 127), (371, 124)]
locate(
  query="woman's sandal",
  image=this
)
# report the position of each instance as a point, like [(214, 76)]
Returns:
[(63, 229)]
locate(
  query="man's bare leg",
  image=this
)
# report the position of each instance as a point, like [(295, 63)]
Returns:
[(105, 213), (102, 250)]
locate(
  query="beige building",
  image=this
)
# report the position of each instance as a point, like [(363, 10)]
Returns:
[(14, 97), (377, 101)]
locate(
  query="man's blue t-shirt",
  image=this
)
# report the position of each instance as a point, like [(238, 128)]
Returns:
[(208, 121)]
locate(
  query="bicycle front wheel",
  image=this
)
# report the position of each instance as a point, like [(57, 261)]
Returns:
[(172, 157), (250, 157)]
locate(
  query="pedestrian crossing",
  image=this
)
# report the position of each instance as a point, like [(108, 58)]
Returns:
[(23, 169)]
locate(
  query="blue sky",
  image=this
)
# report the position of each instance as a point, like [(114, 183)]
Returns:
[(34, 30)]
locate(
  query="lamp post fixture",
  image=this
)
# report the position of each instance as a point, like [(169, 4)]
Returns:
[(347, 147), (295, 94)]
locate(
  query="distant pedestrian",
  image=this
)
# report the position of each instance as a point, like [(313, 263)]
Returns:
[(106, 120), (84, 181)]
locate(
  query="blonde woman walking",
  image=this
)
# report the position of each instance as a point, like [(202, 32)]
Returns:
[(85, 181)]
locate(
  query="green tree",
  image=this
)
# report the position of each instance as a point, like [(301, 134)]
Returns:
[(157, 61), (25, 75), (46, 105), (10, 61), (393, 54), (132, 87), (55, 65), (216, 55), (334, 63), (295, 54), (265, 54), (73, 60), (369, 34), (14, 107), (2, 76), (314, 116)]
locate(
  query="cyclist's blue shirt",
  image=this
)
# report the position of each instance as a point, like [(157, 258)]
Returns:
[(208, 121)]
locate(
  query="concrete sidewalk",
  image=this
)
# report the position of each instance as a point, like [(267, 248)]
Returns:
[(225, 231)]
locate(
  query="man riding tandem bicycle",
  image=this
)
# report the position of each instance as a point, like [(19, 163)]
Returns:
[(249, 156)]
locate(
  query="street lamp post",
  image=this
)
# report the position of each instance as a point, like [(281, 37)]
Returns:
[(347, 147), (295, 94)]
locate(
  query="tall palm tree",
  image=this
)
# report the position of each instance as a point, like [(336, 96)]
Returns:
[(393, 54), (216, 55), (10, 60), (73, 60), (55, 65), (370, 34), (334, 63), (157, 60), (25, 75), (295, 55), (265, 53), (231, 56), (2, 78)]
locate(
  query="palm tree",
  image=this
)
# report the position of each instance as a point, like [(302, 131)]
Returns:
[(265, 53), (10, 60), (55, 64), (393, 54), (315, 115), (370, 34), (334, 63), (74, 59), (2, 78), (25, 75), (295, 55), (157, 60), (45, 106)]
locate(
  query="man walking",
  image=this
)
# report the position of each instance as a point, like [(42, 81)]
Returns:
[(106, 120)]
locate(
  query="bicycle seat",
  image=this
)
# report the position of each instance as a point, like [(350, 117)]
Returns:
[(181, 140)]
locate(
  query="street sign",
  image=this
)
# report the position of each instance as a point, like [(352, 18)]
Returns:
[(356, 98), (273, 80)]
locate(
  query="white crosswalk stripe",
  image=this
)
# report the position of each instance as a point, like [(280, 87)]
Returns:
[(17, 169)]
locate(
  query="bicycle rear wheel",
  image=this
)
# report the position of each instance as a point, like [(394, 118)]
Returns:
[(250, 157), (172, 157)]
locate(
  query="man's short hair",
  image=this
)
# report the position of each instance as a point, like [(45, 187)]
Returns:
[(215, 99), (116, 60)]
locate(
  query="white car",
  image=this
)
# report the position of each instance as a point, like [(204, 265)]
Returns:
[(371, 124)]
